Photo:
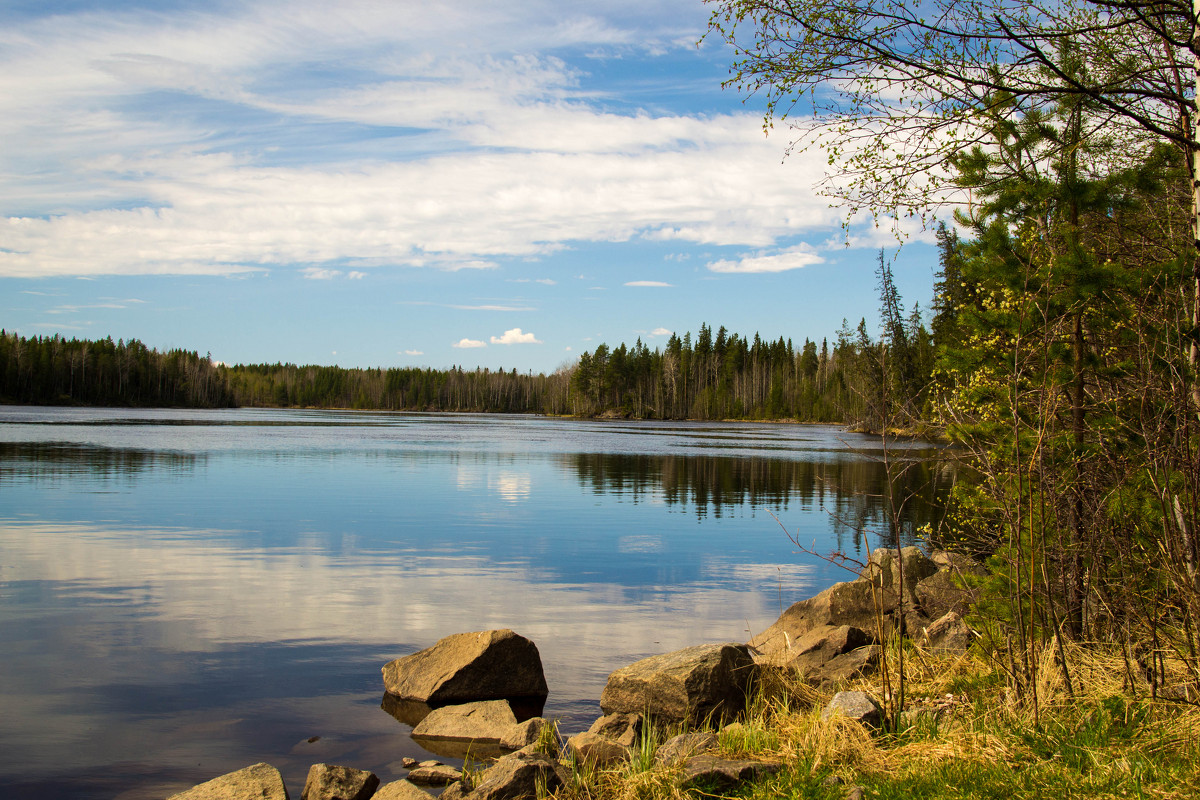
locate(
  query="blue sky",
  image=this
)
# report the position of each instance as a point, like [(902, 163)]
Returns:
[(401, 183)]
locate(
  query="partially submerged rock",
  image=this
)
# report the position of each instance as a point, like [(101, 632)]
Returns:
[(434, 775), (689, 685), (484, 665), (485, 722), (256, 782), (333, 782)]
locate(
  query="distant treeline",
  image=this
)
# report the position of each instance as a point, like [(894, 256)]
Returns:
[(726, 376), (51, 370)]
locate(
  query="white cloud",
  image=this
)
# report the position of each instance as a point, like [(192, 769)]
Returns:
[(793, 258), (319, 274), (661, 332), (414, 352), (515, 336), (516, 159), (647, 283), (355, 275), (467, 344)]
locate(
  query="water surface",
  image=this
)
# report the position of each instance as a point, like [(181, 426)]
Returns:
[(183, 593)]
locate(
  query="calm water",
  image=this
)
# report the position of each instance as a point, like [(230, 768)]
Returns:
[(185, 593)]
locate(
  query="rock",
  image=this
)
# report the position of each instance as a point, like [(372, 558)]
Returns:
[(722, 775), (948, 634), (516, 776), (858, 706), (856, 793), (486, 722), (820, 645), (883, 569), (845, 667), (625, 729), (957, 562), (684, 746), (485, 665), (408, 762), (525, 733), (945, 591), (331, 782), (595, 748), (256, 782), (850, 603), (400, 790), (689, 685), (435, 775)]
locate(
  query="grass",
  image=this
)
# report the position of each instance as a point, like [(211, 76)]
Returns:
[(1107, 741)]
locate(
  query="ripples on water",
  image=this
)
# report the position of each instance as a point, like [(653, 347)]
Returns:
[(185, 593)]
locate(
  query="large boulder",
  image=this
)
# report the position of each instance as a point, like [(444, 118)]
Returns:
[(852, 603), (484, 665), (486, 722), (624, 729), (858, 603), (689, 685), (332, 782), (256, 782)]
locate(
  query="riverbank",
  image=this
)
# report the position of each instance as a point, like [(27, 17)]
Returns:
[(966, 735)]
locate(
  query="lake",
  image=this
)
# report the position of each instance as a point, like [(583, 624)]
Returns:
[(184, 593)]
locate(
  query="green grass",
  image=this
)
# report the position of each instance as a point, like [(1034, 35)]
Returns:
[(1105, 742)]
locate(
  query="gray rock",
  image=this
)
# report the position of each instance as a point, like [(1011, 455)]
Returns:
[(689, 685), (858, 706), (685, 746), (884, 567), (945, 591), (951, 560), (256, 782), (514, 777), (948, 634), (484, 665), (400, 790), (851, 603), (845, 667), (435, 775), (625, 729), (595, 748), (525, 733), (856, 793), (722, 775), (485, 722), (332, 782)]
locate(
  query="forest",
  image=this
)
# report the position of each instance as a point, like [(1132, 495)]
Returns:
[(707, 377)]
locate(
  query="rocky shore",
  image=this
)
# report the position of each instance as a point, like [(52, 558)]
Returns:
[(482, 693)]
